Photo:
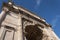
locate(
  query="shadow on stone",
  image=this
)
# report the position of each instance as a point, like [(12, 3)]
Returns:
[(33, 33)]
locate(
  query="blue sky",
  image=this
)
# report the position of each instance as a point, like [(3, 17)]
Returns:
[(47, 9)]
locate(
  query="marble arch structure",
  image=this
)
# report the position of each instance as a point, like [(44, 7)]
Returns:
[(17, 23)]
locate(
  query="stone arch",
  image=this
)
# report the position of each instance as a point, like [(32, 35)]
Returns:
[(33, 32)]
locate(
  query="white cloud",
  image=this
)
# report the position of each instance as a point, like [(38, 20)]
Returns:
[(59, 39), (55, 20), (37, 4)]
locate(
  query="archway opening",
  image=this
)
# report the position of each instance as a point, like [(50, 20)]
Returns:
[(32, 32)]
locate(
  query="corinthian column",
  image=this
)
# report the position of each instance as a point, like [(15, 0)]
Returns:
[(2, 17), (3, 14), (19, 33)]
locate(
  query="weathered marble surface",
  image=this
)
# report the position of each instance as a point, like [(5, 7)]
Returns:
[(17, 23)]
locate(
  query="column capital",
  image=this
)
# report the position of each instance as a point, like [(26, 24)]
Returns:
[(5, 9)]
